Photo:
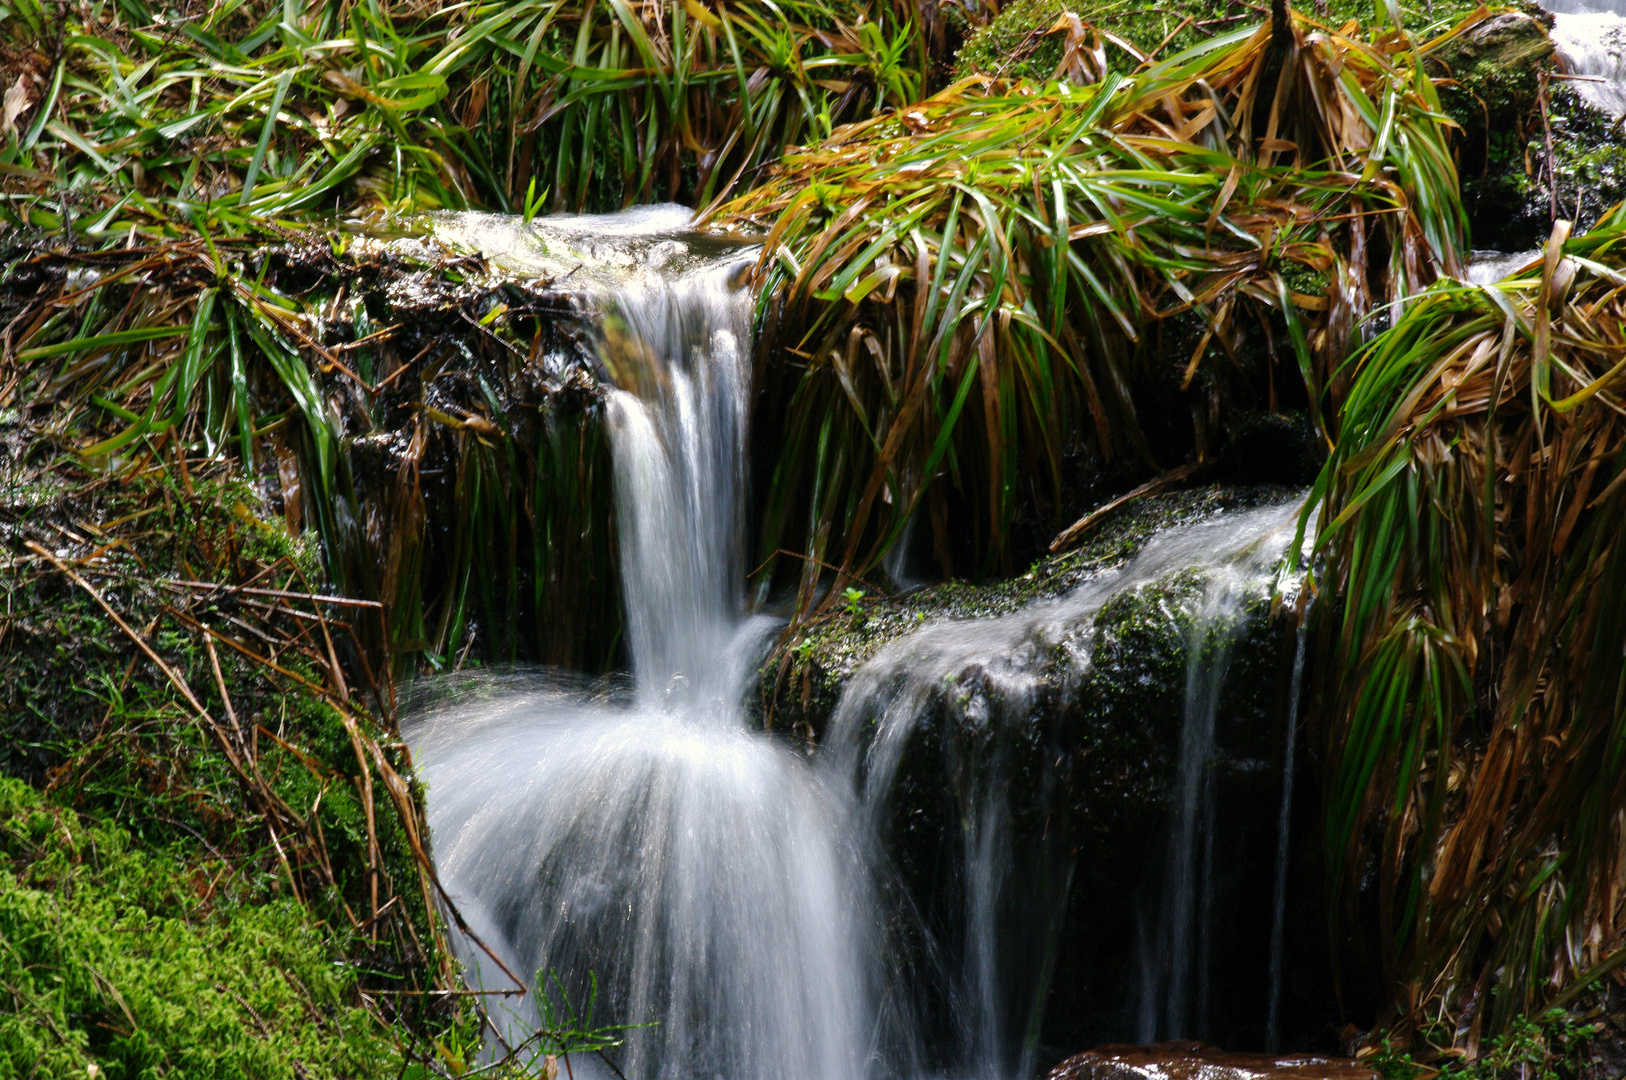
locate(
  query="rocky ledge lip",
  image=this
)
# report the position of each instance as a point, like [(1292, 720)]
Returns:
[(1194, 1061)]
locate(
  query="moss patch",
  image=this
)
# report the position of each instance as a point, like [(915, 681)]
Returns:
[(142, 963), (252, 851)]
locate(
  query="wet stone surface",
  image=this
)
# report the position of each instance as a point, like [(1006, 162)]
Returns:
[(1193, 1061), (1041, 718)]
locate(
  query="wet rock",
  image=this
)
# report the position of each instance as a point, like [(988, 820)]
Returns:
[(1272, 448), (1514, 39), (1057, 745), (1194, 1061), (800, 688), (1524, 160)]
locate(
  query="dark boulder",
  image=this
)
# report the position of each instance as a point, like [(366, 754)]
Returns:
[(1057, 744)]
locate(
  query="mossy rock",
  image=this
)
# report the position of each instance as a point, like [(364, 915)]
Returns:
[(799, 686), (1514, 201), (1061, 750)]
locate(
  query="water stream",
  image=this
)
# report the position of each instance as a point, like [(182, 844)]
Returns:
[(1177, 951), (983, 679), (1591, 37), (1284, 823), (713, 883), (704, 875)]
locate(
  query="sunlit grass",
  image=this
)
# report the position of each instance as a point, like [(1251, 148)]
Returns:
[(1472, 516), (967, 285)]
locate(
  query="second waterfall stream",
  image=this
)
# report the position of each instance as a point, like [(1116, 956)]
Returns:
[(733, 898)]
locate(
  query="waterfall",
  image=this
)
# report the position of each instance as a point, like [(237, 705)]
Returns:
[(1591, 37), (742, 904), (705, 876), (1284, 821), (986, 676), (1487, 267), (1177, 948), (679, 441)]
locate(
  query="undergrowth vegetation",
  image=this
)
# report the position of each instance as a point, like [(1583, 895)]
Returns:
[(258, 463), (393, 407), (137, 962), (168, 665), (969, 285), (1027, 39), (222, 116), (1472, 520)]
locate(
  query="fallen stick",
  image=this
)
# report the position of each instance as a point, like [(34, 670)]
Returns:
[(1068, 536)]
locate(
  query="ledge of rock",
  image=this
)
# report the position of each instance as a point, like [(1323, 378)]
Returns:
[(1194, 1061), (1508, 39)]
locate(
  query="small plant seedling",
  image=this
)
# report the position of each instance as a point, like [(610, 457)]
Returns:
[(534, 200)]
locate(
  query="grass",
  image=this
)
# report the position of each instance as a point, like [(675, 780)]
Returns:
[(400, 416), (1472, 515), (1028, 38), (235, 116), (964, 288)]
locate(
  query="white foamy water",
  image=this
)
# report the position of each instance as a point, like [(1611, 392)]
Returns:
[(999, 980), (1590, 35), (1488, 267), (703, 874), (716, 886), (596, 256)]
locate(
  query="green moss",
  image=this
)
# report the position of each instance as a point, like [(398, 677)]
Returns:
[(1015, 43), (800, 685), (144, 964), (200, 893), (1513, 199)]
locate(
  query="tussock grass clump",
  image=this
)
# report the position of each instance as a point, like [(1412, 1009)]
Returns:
[(967, 284), (1028, 38), (404, 411), (1472, 699)]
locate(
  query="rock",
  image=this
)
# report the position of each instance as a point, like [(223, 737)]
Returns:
[(1194, 1061), (1490, 85), (1509, 40), (1066, 738)]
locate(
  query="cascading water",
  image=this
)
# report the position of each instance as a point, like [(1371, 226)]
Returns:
[(1487, 267), (988, 674), (1591, 36), (717, 887), (703, 874), (1177, 950), (1284, 821)]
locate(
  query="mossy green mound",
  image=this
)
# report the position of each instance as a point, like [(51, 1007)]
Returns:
[(133, 963), (1019, 42)]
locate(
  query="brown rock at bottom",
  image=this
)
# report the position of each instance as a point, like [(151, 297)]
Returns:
[(1194, 1061)]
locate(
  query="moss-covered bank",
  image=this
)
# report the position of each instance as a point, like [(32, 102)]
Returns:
[(131, 961)]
